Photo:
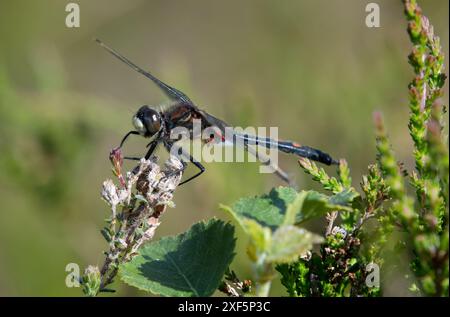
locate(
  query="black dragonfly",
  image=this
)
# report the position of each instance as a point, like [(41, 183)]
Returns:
[(158, 124)]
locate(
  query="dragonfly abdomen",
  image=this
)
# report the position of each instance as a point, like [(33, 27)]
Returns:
[(290, 148), (306, 151)]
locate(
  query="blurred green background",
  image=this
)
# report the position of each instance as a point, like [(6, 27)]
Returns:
[(311, 68)]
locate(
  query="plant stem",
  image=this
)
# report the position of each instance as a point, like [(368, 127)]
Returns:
[(143, 196), (264, 273), (331, 217), (263, 289)]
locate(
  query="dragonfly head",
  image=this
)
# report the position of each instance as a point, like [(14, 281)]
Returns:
[(147, 121)]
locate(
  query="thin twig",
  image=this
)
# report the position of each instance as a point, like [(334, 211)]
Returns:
[(331, 217)]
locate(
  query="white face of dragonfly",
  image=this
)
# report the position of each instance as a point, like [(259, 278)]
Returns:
[(139, 125)]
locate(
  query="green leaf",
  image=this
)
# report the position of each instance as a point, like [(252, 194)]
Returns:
[(283, 205), (106, 233), (189, 264), (289, 242), (259, 238), (294, 208), (267, 210), (316, 204), (344, 198)]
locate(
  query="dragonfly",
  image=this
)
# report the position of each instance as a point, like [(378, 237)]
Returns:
[(157, 125)]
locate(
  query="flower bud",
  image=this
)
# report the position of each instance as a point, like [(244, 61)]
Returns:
[(91, 281)]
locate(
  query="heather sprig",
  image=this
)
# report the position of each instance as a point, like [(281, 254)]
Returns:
[(318, 174), (335, 185), (402, 205), (423, 217), (426, 87), (439, 150), (426, 219), (339, 268)]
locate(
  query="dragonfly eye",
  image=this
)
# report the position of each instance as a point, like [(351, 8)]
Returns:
[(147, 121)]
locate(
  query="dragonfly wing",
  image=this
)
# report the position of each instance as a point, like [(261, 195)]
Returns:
[(265, 159), (212, 121), (171, 92)]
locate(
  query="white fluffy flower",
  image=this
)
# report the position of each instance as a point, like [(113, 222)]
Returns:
[(109, 193)]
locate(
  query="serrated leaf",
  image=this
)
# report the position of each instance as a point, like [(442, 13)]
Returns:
[(189, 264), (283, 204), (316, 204), (344, 198), (267, 210), (289, 242), (294, 208)]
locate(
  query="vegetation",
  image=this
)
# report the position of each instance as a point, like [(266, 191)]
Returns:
[(409, 208)]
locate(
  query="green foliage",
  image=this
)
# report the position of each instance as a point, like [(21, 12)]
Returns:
[(55, 131), (339, 269), (359, 222), (283, 203), (316, 204), (269, 222), (340, 186), (190, 264), (267, 210), (91, 281), (57, 147), (288, 242), (425, 216), (319, 175)]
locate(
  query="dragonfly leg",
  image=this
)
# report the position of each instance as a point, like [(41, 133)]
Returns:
[(147, 155), (265, 160), (198, 165), (126, 137), (152, 146), (191, 159)]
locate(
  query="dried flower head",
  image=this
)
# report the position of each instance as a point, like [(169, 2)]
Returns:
[(143, 196)]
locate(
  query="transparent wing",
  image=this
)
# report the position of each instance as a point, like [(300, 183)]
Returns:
[(265, 159), (171, 92), (231, 140)]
